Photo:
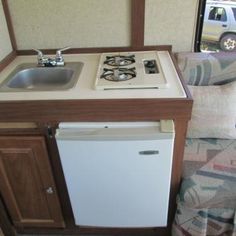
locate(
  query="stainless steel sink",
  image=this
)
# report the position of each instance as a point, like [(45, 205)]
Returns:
[(29, 77)]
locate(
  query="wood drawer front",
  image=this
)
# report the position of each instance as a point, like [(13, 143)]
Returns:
[(26, 184)]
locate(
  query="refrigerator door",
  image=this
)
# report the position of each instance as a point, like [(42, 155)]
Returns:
[(117, 182)]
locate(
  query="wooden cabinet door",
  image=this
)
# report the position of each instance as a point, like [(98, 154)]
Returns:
[(26, 182)]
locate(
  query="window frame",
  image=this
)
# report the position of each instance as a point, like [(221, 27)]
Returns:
[(199, 25)]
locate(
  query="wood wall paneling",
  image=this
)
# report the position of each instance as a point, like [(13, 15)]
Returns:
[(137, 35), (137, 28)]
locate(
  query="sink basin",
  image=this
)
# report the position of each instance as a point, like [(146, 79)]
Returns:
[(29, 77)]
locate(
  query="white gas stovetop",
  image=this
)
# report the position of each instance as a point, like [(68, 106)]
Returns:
[(130, 70)]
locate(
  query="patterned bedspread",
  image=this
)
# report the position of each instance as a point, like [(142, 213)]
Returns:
[(206, 204)]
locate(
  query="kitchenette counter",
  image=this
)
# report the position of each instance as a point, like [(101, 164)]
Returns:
[(85, 86), (83, 103)]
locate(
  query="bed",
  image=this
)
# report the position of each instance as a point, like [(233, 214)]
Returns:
[(206, 203)]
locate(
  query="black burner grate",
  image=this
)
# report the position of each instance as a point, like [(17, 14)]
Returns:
[(118, 74), (119, 60)]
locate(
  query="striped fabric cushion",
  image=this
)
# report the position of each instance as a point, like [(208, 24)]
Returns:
[(214, 107), (207, 68)]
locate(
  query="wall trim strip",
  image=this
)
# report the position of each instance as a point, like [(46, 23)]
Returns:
[(137, 23), (7, 60), (99, 50), (9, 24)]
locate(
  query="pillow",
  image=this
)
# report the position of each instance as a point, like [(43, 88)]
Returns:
[(214, 112), (207, 68)]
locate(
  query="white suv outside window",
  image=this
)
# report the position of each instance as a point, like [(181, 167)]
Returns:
[(220, 24)]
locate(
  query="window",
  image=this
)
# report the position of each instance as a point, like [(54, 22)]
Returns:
[(217, 13), (234, 11), (216, 29)]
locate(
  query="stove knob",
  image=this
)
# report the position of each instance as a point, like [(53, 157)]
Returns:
[(151, 72), (150, 64)]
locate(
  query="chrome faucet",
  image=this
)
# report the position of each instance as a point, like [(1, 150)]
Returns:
[(49, 62)]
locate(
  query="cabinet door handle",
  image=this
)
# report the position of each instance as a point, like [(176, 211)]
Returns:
[(49, 190), (50, 133)]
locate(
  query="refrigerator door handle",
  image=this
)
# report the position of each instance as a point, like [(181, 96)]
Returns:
[(149, 152)]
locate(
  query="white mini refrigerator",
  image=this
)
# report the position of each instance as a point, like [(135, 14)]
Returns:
[(117, 174)]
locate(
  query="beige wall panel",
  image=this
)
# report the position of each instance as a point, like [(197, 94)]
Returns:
[(77, 23), (5, 43), (171, 22)]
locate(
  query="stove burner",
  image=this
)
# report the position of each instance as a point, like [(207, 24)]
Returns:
[(119, 60), (118, 74)]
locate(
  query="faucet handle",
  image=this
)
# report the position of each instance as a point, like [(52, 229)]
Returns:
[(40, 53), (40, 57), (58, 52), (59, 58)]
